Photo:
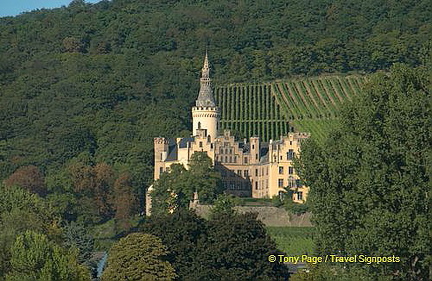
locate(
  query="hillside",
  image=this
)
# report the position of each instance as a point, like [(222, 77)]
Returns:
[(270, 110), (88, 84)]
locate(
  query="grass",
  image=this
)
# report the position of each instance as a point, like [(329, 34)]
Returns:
[(293, 240)]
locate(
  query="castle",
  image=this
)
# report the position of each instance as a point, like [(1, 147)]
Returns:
[(249, 169)]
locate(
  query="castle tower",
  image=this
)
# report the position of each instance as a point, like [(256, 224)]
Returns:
[(205, 113), (160, 155)]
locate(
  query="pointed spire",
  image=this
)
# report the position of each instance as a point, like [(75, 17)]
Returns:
[(205, 97)]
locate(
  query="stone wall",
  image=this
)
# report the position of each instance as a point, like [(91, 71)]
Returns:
[(270, 216)]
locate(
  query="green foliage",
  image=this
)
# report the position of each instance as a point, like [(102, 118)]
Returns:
[(327, 272), (296, 208), (176, 188), (237, 248), (104, 79), (21, 211), (230, 246), (182, 232), (77, 236), (293, 240), (138, 256), (369, 183), (224, 204), (34, 257)]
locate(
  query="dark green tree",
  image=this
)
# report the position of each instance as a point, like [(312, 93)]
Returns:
[(237, 247), (77, 236), (370, 184), (182, 232)]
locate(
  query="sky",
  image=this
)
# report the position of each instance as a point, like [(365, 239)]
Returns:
[(15, 7)]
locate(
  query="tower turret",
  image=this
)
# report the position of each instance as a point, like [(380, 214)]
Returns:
[(205, 113)]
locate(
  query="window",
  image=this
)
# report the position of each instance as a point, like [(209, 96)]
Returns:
[(290, 170), (300, 196), (299, 183), (281, 170), (256, 185), (291, 182), (256, 172), (246, 173), (253, 146), (290, 142), (235, 159), (256, 156), (226, 159), (280, 182), (199, 125), (230, 159), (200, 144), (160, 170), (245, 160), (290, 154), (239, 172)]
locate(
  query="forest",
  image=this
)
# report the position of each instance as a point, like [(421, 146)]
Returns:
[(85, 88)]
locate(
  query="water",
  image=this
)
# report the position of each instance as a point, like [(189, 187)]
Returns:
[(101, 264)]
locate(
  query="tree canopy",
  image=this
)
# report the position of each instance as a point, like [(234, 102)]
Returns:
[(34, 257), (370, 183), (176, 187), (138, 257), (229, 246)]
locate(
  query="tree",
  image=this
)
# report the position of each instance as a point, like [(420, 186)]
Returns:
[(20, 211), (181, 232), (224, 204), (204, 179), (34, 257), (237, 248), (370, 184), (28, 177), (138, 256), (77, 236), (124, 201), (176, 188)]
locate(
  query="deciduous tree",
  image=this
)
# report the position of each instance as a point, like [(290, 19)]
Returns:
[(370, 184), (28, 177), (138, 257)]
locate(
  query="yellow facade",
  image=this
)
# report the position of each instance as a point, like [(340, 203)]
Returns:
[(248, 168)]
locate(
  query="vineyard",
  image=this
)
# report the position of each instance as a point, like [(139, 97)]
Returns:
[(272, 109)]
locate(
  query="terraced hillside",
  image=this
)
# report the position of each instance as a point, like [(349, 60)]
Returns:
[(272, 109)]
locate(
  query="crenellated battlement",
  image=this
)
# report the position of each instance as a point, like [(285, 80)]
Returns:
[(160, 140), (205, 108)]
